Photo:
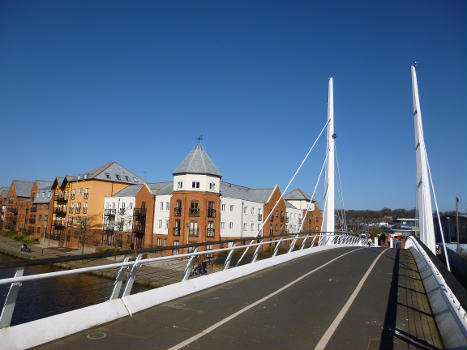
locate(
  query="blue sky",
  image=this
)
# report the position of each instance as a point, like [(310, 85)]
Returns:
[(87, 82)]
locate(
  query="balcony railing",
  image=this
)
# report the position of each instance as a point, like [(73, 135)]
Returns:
[(176, 231), (108, 227), (58, 224), (139, 212), (178, 211), (194, 211), (61, 198), (138, 230), (211, 213), (109, 212), (210, 232)]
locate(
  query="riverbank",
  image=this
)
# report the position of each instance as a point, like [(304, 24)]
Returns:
[(149, 276)]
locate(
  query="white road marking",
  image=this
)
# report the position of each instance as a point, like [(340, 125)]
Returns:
[(332, 328), (246, 308)]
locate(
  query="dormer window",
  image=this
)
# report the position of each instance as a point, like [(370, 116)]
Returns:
[(195, 184), (179, 184), (127, 178), (212, 186), (107, 175), (118, 177), (135, 179)]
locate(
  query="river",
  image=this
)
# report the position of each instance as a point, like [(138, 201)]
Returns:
[(38, 299)]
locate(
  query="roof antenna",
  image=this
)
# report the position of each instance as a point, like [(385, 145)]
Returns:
[(199, 138)]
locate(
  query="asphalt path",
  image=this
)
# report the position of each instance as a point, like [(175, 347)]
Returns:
[(292, 306)]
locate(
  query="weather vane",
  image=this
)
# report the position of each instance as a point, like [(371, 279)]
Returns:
[(199, 138)]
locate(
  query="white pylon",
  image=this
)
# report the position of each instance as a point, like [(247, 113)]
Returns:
[(425, 211), (328, 226)]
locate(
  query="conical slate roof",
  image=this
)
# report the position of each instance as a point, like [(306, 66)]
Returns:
[(197, 162)]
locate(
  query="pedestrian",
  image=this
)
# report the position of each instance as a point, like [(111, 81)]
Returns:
[(382, 239), (204, 267), (369, 242)]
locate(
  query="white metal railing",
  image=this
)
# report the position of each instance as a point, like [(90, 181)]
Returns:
[(130, 268), (451, 300)]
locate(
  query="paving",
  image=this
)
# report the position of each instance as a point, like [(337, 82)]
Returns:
[(390, 312)]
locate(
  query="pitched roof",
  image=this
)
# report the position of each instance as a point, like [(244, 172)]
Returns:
[(288, 205), (44, 192), (111, 171), (297, 194), (23, 188), (197, 162), (260, 195), (161, 188), (129, 191), (4, 191)]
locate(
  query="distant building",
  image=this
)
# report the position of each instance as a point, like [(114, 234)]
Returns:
[(405, 227), (448, 223)]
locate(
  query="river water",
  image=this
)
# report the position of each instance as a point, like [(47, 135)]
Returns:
[(38, 299)]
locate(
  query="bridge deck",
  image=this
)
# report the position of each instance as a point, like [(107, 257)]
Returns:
[(391, 311)]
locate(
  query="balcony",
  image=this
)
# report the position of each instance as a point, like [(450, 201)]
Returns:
[(109, 212), (138, 230), (211, 213), (60, 198), (58, 224), (139, 212), (194, 211), (12, 210), (108, 227), (210, 232), (176, 231), (178, 211)]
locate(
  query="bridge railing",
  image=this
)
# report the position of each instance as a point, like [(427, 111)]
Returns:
[(178, 267), (450, 315)]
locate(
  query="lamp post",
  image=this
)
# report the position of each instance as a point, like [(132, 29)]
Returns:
[(457, 226)]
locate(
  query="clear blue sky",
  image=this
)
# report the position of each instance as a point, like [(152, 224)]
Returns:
[(87, 82)]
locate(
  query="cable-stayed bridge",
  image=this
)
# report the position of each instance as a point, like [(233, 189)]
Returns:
[(321, 290)]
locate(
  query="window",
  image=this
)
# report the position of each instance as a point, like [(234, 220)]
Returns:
[(159, 241), (231, 208), (252, 211), (177, 228), (78, 219), (71, 208), (194, 209), (78, 208), (179, 184), (316, 228), (70, 220), (212, 186), (165, 242), (73, 194), (83, 222), (107, 175), (208, 247), (244, 227), (162, 205), (176, 244), (252, 227), (210, 230), (276, 227), (245, 210), (135, 179), (46, 218), (223, 207), (80, 191), (231, 225), (86, 193), (127, 178), (271, 230), (131, 205), (167, 205), (222, 225), (43, 194), (193, 228), (85, 208), (118, 177), (40, 217), (160, 223), (195, 184), (167, 223)]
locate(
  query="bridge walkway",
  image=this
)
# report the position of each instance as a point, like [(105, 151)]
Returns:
[(288, 306)]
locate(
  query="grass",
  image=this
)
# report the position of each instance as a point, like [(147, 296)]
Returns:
[(19, 236)]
